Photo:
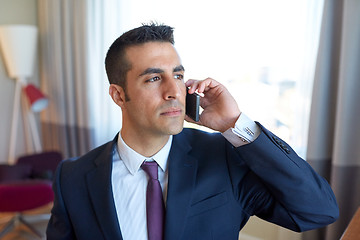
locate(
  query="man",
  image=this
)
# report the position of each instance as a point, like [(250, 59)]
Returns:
[(211, 183)]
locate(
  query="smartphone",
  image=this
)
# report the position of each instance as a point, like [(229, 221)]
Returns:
[(192, 106)]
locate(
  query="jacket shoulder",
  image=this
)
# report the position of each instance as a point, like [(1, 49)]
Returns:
[(196, 134), (90, 159), (200, 140)]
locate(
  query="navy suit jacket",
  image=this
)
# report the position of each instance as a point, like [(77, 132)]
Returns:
[(213, 189)]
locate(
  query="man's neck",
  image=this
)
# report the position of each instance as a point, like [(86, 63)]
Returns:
[(144, 145)]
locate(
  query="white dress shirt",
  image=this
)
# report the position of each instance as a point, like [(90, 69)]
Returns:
[(129, 181), (244, 132)]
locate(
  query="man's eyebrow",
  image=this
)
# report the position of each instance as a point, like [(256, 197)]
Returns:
[(151, 70), (159, 70), (179, 68)]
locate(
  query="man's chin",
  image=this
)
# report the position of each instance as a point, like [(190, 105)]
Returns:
[(177, 131), (176, 128)]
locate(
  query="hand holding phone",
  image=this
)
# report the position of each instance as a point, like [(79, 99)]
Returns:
[(193, 106)]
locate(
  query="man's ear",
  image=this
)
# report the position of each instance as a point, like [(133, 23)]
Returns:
[(117, 94)]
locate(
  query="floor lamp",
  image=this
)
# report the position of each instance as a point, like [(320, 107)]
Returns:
[(18, 45)]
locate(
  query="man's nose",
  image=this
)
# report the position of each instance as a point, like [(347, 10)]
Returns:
[(172, 88)]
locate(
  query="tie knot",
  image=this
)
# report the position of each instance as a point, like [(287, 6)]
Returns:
[(151, 168)]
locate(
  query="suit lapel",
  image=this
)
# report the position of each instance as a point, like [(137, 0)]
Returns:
[(101, 195), (182, 173)]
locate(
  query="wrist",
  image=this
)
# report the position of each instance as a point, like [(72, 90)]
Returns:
[(245, 131), (230, 123)]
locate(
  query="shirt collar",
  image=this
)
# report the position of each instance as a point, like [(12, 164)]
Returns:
[(133, 160)]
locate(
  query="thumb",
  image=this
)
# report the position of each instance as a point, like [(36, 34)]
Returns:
[(190, 120)]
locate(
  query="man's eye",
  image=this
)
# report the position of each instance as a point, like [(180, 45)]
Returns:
[(179, 76), (154, 79)]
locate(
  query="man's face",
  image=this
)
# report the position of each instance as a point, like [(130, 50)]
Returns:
[(156, 89)]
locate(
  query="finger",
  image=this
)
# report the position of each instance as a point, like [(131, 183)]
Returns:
[(190, 120), (192, 84), (203, 85), (196, 85), (207, 85), (189, 82), (211, 83)]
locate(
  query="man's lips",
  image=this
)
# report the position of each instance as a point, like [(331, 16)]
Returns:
[(172, 112)]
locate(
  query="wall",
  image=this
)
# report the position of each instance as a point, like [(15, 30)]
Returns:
[(13, 12)]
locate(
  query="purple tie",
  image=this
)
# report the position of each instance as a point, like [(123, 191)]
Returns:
[(155, 209)]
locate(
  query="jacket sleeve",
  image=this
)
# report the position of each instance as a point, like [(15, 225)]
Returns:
[(59, 226), (291, 194)]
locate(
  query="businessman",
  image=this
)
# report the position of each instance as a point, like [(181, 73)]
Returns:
[(205, 185)]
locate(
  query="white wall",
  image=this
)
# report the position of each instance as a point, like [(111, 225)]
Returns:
[(13, 12)]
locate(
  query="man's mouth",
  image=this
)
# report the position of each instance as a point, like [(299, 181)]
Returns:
[(172, 112)]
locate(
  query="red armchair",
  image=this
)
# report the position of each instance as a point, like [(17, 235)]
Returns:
[(27, 185)]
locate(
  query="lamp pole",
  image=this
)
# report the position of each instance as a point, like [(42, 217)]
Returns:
[(14, 123), (18, 44)]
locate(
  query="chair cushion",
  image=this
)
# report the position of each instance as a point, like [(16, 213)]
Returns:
[(25, 195), (14, 172)]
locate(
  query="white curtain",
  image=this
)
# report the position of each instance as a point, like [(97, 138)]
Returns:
[(74, 36), (246, 38), (104, 27), (335, 112)]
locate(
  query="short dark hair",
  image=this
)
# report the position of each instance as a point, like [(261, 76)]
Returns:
[(116, 63)]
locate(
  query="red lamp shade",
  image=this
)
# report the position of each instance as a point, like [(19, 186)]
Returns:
[(37, 99)]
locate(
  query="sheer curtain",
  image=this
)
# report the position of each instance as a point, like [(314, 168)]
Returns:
[(104, 26), (264, 51), (74, 36), (335, 112)]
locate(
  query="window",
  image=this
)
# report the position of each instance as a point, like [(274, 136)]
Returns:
[(263, 51)]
